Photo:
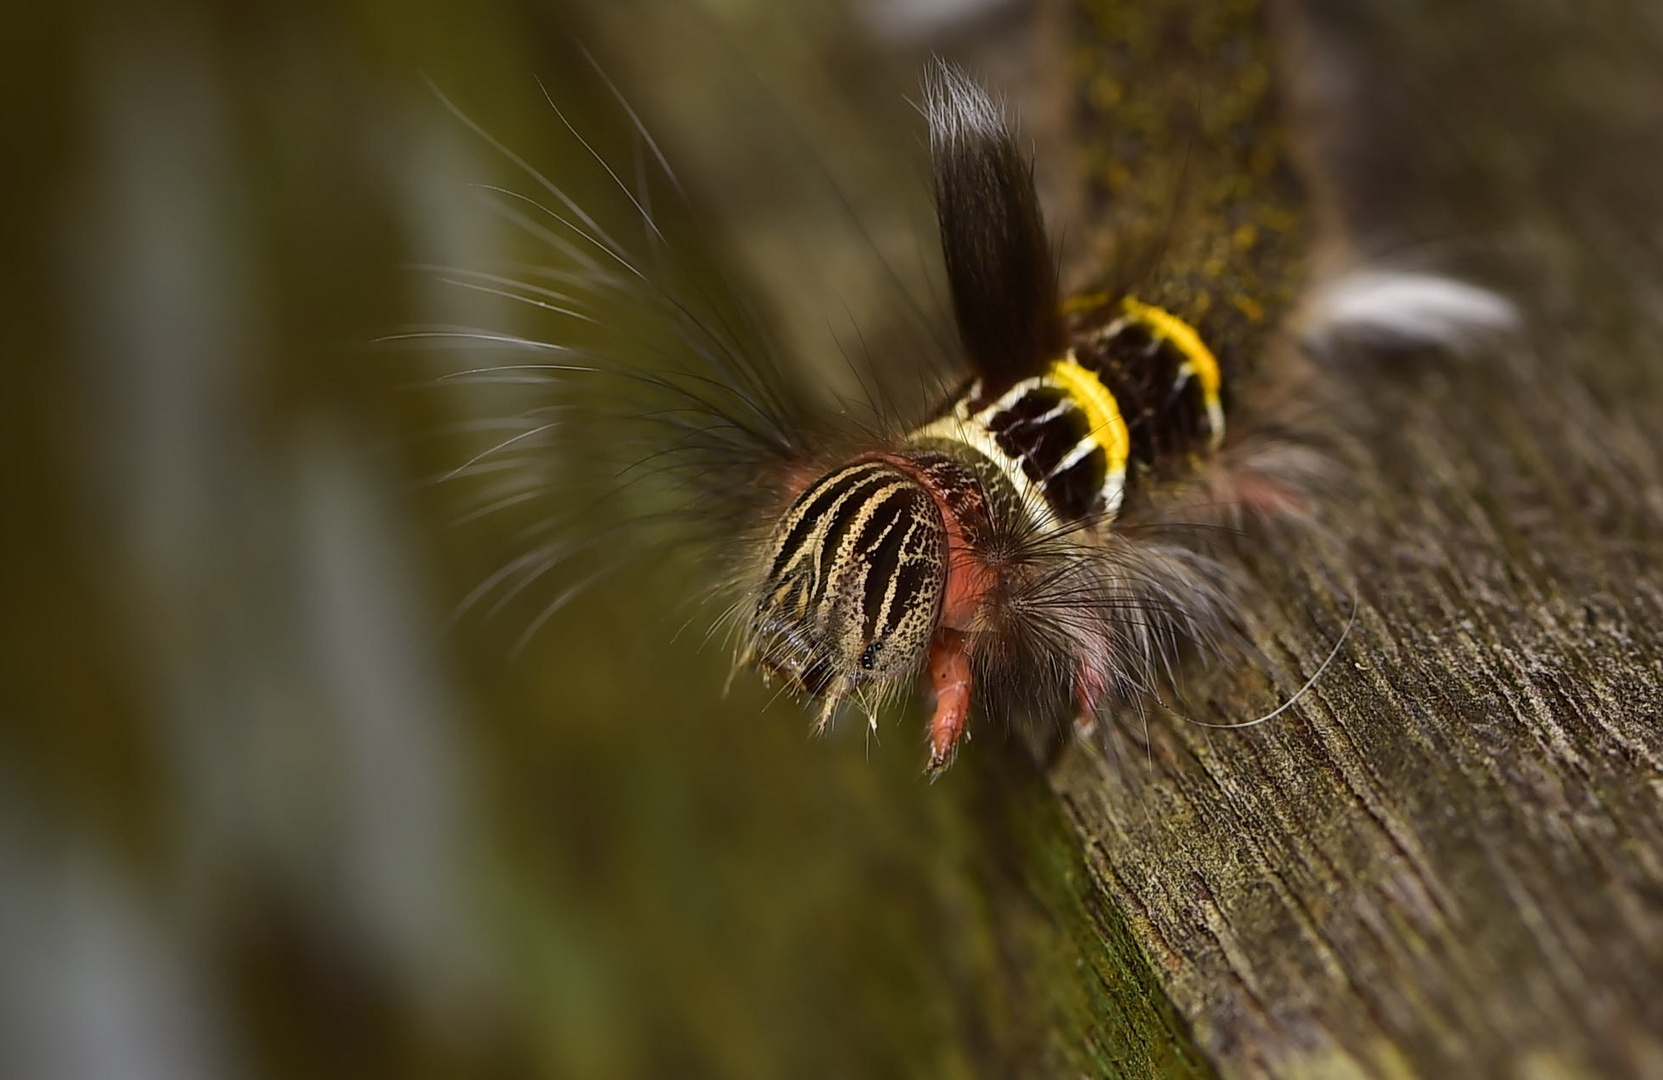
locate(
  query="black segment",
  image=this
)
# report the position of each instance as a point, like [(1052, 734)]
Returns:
[(1166, 418), (1075, 492), (999, 263), (1028, 430), (1040, 435)]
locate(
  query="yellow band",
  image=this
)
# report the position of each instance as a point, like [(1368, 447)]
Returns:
[(1169, 327), (1108, 428)]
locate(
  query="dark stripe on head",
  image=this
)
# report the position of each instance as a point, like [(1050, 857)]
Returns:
[(884, 517), (852, 512), (857, 583), (812, 505), (909, 584), (884, 561)]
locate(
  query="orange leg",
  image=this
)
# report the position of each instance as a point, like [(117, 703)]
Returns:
[(950, 679)]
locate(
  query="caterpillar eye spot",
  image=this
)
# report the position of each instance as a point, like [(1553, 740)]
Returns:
[(869, 657)]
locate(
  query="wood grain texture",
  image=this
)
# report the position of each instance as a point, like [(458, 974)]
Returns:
[(1447, 859)]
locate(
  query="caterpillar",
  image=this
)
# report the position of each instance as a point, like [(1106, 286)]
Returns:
[(1024, 547)]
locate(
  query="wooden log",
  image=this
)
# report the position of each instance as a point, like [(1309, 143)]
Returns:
[(1447, 858)]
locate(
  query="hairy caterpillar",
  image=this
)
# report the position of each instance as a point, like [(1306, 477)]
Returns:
[(1022, 546)]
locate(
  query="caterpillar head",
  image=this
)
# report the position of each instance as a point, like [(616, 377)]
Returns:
[(853, 588)]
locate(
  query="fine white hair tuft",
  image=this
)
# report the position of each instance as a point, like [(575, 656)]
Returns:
[(1404, 308), (962, 114)]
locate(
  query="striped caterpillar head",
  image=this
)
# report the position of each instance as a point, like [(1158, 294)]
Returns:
[(853, 589)]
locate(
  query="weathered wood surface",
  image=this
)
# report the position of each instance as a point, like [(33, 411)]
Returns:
[(1447, 859), (252, 809)]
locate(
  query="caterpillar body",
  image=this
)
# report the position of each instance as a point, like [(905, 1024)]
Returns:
[(998, 547), (982, 546)]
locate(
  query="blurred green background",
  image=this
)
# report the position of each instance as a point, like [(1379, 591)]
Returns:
[(265, 809)]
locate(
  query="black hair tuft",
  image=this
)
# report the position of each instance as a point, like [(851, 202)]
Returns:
[(999, 262)]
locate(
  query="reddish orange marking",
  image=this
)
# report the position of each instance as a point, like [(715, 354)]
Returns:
[(1266, 495), (799, 477), (968, 582), (1089, 687)]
